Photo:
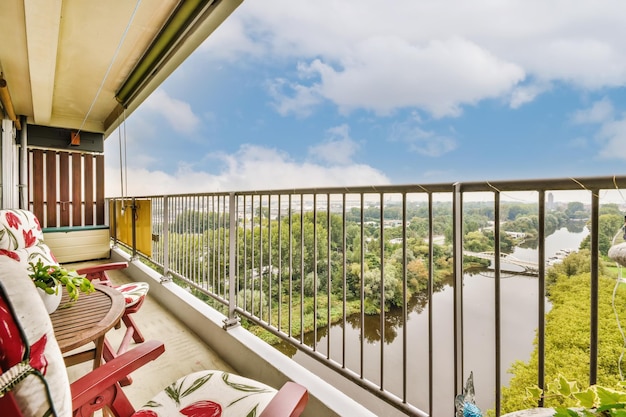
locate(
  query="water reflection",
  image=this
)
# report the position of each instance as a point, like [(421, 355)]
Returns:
[(519, 298)]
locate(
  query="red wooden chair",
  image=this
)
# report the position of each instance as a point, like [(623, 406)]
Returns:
[(21, 239), (34, 382)]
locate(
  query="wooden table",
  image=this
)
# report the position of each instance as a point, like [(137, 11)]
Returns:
[(87, 320)]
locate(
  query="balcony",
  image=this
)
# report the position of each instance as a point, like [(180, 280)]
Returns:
[(400, 341)]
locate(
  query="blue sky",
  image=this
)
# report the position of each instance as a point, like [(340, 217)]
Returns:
[(295, 93)]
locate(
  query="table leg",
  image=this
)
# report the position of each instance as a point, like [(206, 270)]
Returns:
[(97, 359)]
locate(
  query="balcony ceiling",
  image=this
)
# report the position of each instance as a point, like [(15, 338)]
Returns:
[(55, 54)]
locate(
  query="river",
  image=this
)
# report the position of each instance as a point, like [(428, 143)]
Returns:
[(517, 335)]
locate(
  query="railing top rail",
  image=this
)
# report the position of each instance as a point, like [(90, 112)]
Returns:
[(569, 184)]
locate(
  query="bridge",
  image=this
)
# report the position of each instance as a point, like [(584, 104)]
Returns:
[(505, 258)]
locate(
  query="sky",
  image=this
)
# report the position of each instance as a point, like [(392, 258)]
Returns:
[(299, 93)]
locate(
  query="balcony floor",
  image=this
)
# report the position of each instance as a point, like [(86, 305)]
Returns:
[(184, 351)]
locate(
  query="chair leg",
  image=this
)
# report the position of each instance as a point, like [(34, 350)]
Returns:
[(130, 324), (108, 355), (130, 331)]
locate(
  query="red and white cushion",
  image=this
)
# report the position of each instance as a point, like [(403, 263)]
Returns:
[(31, 393), (21, 238), (210, 394), (133, 292)]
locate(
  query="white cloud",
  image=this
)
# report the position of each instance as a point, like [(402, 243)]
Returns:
[(292, 98), (525, 94), (601, 111), (338, 149), (250, 168), (424, 142), (177, 112), (436, 56), (612, 139)]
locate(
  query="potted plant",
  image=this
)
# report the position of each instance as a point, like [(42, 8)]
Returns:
[(595, 400), (49, 278)]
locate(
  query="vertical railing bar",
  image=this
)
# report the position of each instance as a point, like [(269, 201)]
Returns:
[(381, 370), (290, 233), (113, 217), (166, 237), (261, 257), (232, 275), (315, 254), (328, 276), (269, 259), (497, 303), (193, 239), (362, 289), (301, 268), (227, 262), (216, 244), (404, 302), (200, 257), (431, 280), (133, 213), (280, 264), (457, 232), (206, 241), (541, 294), (199, 236), (253, 277), (215, 221), (595, 250), (222, 249), (345, 281), (221, 282), (183, 237), (206, 250), (245, 252)]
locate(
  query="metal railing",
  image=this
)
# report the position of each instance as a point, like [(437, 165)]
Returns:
[(311, 266)]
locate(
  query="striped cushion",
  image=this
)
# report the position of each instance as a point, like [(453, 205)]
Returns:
[(133, 292)]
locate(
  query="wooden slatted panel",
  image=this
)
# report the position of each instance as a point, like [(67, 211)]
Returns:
[(64, 183), (88, 177), (99, 189), (64, 188), (38, 181), (51, 189), (76, 190)]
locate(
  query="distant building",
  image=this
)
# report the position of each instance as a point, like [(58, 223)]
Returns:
[(550, 205)]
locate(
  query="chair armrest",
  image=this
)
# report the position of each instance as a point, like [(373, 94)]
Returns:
[(89, 386), (289, 401), (103, 267), (99, 271)]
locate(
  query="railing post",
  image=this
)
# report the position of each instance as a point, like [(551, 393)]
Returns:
[(165, 232), (232, 320), (457, 237), (595, 250), (113, 219), (133, 213)]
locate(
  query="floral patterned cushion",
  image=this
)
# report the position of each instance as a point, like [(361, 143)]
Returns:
[(133, 292), (21, 238), (45, 356), (210, 394)]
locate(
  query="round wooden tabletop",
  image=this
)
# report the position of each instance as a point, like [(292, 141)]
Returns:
[(88, 318)]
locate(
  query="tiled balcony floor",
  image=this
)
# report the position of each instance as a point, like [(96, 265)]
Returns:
[(184, 351)]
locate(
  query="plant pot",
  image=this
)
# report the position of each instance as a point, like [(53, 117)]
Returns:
[(50, 301)]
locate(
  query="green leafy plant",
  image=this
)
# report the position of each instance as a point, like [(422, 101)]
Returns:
[(50, 278), (592, 401)]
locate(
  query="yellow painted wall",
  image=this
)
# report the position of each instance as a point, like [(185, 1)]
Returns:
[(79, 245), (143, 223)]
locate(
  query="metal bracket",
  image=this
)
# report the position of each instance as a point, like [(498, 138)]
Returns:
[(231, 323)]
